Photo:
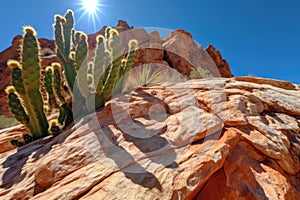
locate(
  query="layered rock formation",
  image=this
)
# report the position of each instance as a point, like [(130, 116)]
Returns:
[(178, 51), (220, 138)]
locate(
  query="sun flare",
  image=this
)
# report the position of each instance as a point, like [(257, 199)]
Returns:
[(90, 6), (91, 12)]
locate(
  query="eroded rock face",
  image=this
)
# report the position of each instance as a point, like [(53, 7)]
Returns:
[(222, 65), (218, 138), (178, 51)]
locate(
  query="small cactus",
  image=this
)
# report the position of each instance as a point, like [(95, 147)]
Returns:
[(48, 83)]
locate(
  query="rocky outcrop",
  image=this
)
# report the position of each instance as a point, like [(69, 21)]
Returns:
[(222, 65), (178, 51), (234, 138)]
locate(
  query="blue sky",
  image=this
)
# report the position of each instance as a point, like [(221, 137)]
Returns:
[(258, 37)]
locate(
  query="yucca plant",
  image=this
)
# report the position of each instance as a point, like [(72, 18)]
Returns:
[(199, 73), (144, 76)]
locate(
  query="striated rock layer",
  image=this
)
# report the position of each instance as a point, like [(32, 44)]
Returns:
[(178, 51), (235, 138)]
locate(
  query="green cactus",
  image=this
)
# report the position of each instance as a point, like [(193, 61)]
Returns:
[(57, 82), (114, 73), (26, 80), (48, 83), (16, 106), (16, 74), (99, 66), (130, 57), (82, 65), (127, 64), (95, 84), (94, 78), (63, 29)]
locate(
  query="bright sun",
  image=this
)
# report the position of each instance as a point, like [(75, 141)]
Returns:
[(91, 10), (90, 6)]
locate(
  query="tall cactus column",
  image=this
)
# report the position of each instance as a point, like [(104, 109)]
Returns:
[(26, 81), (116, 61)]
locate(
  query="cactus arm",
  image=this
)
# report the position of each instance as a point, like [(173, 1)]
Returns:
[(99, 68), (63, 28), (128, 65), (67, 31), (82, 65), (31, 78), (59, 41), (70, 74), (114, 73), (48, 83), (130, 57), (107, 36), (16, 106), (16, 76), (81, 51), (57, 83)]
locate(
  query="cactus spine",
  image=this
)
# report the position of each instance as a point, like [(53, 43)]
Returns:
[(26, 81)]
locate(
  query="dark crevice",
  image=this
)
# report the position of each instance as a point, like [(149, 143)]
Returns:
[(167, 59)]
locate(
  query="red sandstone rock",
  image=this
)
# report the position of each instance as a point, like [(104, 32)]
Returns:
[(234, 138), (222, 64)]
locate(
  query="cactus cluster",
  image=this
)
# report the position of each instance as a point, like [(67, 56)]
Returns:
[(24, 96), (90, 81)]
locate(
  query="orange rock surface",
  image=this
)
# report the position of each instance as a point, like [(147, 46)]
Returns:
[(219, 138)]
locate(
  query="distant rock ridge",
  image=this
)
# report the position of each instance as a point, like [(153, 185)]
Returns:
[(178, 51)]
